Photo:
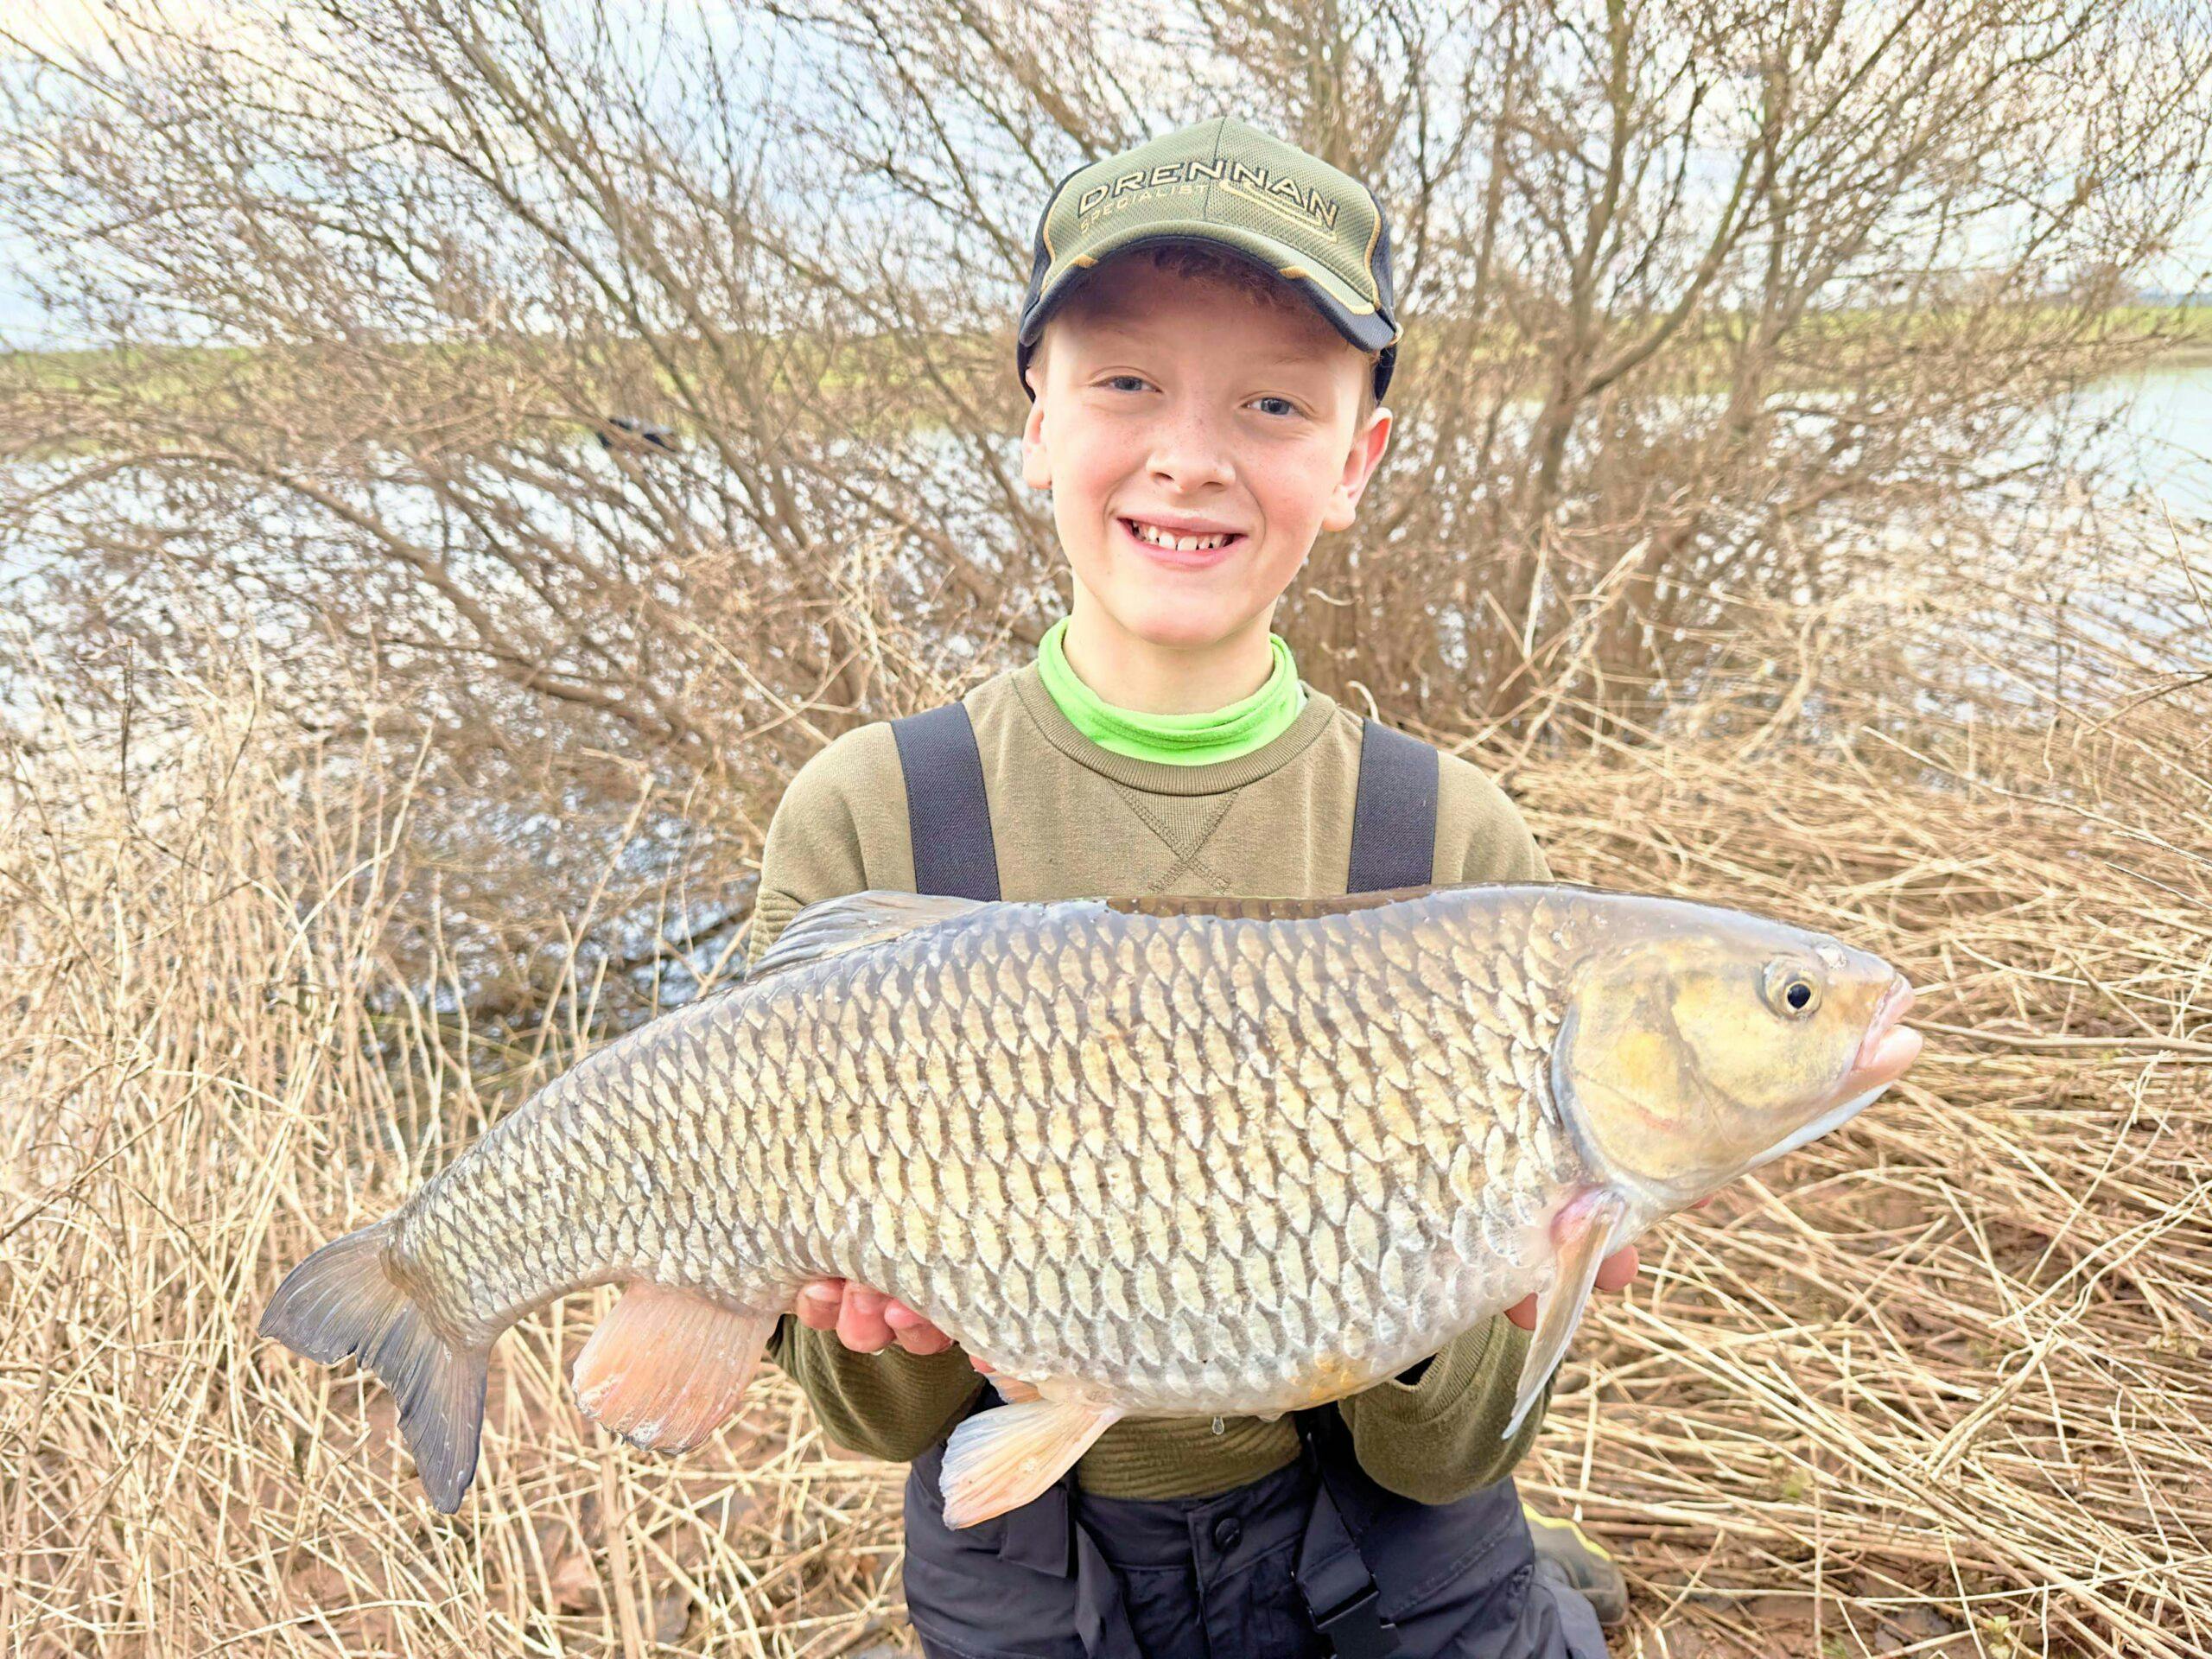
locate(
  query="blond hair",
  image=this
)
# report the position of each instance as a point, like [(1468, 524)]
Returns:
[(1221, 271)]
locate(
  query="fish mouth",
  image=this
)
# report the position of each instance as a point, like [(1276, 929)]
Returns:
[(1888, 1047), (1883, 1053)]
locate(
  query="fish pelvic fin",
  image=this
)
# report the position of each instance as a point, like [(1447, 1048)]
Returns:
[(1000, 1459), (667, 1366), (1584, 1234), (342, 1302)]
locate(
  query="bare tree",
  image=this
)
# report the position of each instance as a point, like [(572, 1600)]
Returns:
[(614, 404)]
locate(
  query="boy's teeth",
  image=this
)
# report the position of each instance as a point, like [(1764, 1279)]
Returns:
[(1181, 543)]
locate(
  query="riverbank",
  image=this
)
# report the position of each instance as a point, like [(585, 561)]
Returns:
[(1935, 1383), (866, 384)]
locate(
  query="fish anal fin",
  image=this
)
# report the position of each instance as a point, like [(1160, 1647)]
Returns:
[(1000, 1459), (1583, 1234), (1014, 1390), (667, 1366)]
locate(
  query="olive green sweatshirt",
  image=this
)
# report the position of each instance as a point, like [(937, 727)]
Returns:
[(1070, 818)]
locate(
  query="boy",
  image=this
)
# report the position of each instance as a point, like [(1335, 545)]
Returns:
[(1207, 336)]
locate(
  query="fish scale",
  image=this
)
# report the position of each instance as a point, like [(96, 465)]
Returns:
[(1148, 1157)]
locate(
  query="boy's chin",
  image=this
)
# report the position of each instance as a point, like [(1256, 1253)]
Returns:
[(1178, 611), (1192, 625)]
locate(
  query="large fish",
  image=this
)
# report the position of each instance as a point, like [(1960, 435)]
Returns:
[(1147, 1158)]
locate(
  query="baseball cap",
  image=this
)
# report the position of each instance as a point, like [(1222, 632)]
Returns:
[(1227, 184)]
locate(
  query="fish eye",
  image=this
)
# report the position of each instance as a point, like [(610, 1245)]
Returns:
[(1790, 990)]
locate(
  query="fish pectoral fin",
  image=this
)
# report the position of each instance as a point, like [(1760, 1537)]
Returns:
[(1000, 1459), (1584, 1235), (667, 1366)]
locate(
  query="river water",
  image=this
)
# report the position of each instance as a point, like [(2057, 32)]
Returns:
[(2157, 435)]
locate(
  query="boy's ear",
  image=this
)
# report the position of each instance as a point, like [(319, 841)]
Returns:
[(1360, 461), (1036, 464)]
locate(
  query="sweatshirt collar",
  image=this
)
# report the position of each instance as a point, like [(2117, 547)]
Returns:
[(1224, 734), (1158, 778)]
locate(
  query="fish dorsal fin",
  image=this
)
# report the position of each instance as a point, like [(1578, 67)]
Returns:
[(1230, 908), (854, 919), (1583, 1234)]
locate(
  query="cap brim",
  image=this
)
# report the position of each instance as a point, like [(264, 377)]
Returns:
[(1366, 329)]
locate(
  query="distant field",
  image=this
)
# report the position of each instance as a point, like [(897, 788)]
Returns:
[(640, 377)]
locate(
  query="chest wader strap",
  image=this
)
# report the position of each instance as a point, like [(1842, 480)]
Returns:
[(1392, 845), (1333, 1575), (948, 816), (1393, 815)]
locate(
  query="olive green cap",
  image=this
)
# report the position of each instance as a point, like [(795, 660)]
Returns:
[(1225, 183)]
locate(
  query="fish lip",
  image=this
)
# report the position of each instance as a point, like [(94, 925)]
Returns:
[(1884, 1052), (1889, 1048)]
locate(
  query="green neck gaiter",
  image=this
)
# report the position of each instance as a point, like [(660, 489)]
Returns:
[(1177, 740)]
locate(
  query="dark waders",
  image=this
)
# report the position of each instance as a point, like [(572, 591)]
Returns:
[(1311, 1559)]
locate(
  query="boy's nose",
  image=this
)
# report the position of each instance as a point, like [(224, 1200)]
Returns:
[(1191, 452)]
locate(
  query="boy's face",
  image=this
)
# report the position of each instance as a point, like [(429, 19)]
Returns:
[(1177, 403)]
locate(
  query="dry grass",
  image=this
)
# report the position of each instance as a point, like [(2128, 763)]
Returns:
[(1937, 1385)]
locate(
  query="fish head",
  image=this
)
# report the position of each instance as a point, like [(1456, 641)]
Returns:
[(1698, 1044)]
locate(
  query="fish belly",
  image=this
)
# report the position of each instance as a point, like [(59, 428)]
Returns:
[(1198, 1164)]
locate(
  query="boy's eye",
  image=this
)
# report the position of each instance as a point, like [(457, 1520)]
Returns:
[(1135, 380), (1287, 407)]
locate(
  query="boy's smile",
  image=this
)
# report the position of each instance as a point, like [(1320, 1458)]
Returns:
[(1181, 542), (1196, 439)]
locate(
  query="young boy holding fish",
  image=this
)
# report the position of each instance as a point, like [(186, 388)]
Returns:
[(1268, 1134), (1207, 336)]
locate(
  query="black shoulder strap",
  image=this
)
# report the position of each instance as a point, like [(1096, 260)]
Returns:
[(1393, 816), (1331, 1569), (948, 816)]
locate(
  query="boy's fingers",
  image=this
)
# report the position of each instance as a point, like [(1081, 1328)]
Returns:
[(1616, 1270), (817, 1302), (1613, 1274), (913, 1332), (861, 1327)]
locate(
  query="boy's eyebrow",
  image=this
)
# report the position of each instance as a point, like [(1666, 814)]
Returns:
[(1265, 360)]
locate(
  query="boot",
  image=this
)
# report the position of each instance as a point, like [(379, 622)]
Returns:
[(1586, 1563)]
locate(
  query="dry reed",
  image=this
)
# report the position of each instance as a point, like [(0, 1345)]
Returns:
[(1936, 1385)]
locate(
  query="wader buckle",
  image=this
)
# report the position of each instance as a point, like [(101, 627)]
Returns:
[(1357, 1630)]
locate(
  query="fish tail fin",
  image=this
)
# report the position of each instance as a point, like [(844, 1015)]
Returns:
[(344, 1301)]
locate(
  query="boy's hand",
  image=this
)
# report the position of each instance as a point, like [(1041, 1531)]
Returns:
[(1613, 1274), (866, 1320)]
